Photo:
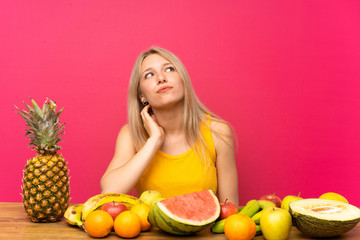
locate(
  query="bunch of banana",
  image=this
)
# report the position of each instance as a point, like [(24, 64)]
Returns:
[(252, 209), (76, 214), (218, 227), (73, 215)]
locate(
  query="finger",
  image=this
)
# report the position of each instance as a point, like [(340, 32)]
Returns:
[(145, 108), (144, 111), (146, 117), (153, 118)]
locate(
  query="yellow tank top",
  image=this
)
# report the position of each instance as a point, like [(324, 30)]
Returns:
[(185, 173)]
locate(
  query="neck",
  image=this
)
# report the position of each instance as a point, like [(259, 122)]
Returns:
[(171, 119)]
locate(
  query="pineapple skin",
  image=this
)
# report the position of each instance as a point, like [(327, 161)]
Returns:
[(46, 188)]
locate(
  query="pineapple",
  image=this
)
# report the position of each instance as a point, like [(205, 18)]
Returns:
[(46, 181)]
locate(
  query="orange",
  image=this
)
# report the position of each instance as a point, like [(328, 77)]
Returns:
[(142, 210), (239, 227), (127, 224), (98, 223)]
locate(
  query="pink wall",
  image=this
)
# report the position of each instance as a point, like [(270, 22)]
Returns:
[(285, 75)]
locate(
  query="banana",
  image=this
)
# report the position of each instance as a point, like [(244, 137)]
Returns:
[(73, 215), (240, 208), (218, 227), (265, 204), (258, 230), (98, 200), (257, 217), (250, 208)]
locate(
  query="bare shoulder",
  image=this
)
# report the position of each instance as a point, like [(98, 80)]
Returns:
[(124, 139), (125, 130), (222, 134), (221, 127)]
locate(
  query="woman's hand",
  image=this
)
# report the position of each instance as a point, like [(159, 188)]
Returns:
[(151, 126)]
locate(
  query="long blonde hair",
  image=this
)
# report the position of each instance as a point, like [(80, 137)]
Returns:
[(195, 113)]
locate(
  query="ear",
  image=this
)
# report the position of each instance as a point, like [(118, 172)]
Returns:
[(142, 98)]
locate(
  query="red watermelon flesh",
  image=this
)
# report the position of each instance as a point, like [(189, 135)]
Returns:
[(197, 206)]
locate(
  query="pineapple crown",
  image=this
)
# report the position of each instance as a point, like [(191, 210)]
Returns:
[(44, 129)]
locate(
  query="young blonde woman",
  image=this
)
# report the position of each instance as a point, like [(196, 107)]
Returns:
[(172, 142)]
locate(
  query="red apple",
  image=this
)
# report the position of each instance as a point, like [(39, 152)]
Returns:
[(227, 209), (272, 198), (114, 208)]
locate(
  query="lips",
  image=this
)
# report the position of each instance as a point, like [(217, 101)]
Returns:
[(164, 89)]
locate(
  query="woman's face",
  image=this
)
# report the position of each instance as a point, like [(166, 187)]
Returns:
[(160, 83)]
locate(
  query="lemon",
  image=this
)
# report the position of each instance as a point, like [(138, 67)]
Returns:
[(333, 196)]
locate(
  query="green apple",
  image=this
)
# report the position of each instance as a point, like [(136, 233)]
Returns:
[(275, 224), (265, 204), (287, 200), (150, 197)]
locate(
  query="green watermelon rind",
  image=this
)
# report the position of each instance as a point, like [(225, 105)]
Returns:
[(167, 224), (157, 217)]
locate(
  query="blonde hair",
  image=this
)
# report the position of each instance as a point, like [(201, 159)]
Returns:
[(195, 113)]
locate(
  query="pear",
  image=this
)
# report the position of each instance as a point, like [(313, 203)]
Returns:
[(288, 199), (265, 204), (150, 197)]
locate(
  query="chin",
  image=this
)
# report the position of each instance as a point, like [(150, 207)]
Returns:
[(169, 104)]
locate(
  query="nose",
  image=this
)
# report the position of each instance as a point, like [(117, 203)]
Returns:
[(161, 79)]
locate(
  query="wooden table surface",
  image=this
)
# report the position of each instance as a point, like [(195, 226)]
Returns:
[(14, 224)]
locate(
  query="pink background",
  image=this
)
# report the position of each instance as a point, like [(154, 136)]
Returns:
[(285, 75)]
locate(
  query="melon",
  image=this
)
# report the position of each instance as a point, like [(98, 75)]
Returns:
[(323, 217), (185, 214)]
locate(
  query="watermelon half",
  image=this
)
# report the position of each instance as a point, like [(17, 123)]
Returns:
[(185, 214)]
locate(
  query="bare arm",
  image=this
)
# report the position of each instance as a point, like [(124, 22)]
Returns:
[(127, 165), (225, 164)]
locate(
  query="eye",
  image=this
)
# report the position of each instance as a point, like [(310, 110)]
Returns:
[(147, 75), (169, 69)]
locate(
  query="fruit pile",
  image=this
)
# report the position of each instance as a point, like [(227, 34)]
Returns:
[(125, 214), (128, 215), (327, 216), (263, 216)]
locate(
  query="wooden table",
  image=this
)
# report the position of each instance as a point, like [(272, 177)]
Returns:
[(14, 224)]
